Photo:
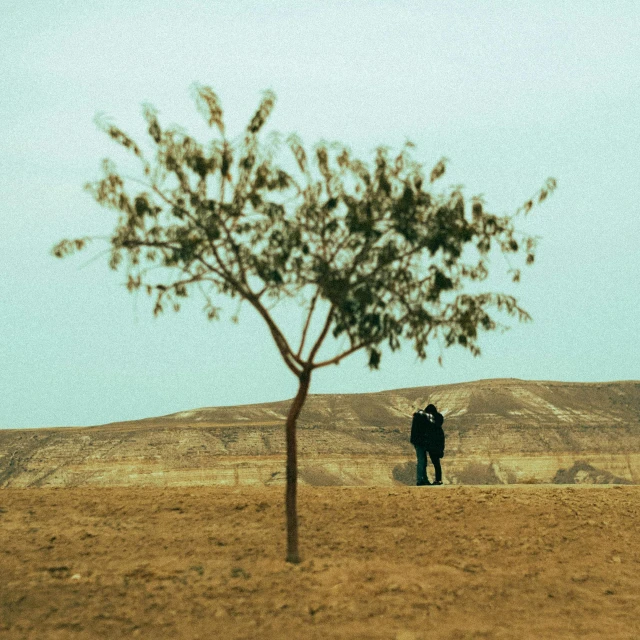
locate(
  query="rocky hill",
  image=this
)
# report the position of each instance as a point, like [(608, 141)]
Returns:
[(498, 431)]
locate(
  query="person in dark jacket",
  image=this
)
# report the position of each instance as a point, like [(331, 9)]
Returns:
[(427, 436)]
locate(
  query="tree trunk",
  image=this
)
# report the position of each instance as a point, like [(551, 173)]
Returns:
[(293, 554)]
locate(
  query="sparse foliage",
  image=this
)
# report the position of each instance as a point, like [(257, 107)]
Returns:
[(372, 255)]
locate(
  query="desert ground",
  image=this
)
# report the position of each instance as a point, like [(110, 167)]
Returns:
[(405, 563)]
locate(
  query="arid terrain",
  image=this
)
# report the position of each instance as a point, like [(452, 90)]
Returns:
[(498, 432), (173, 527), (403, 563)]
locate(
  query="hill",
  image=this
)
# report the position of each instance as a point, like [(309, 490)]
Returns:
[(498, 431)]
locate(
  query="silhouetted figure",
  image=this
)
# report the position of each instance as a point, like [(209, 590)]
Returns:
[(427, 436)]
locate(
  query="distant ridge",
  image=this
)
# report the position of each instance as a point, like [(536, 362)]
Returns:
[(498, 430), (408, 392)]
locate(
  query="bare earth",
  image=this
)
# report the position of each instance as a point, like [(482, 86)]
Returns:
[(401, 563)]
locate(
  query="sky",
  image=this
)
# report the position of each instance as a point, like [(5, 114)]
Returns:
[(510, 92)]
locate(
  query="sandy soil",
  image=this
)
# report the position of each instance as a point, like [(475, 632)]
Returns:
[(407, 563)]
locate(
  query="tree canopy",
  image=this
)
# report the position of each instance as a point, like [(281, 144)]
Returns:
[(370, 249)]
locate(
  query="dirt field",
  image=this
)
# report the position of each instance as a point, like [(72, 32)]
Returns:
[(408, 563)]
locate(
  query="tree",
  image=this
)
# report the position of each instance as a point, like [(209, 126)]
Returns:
[(370, 255)]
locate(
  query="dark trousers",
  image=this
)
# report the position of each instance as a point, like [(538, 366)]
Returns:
[(421, 469)]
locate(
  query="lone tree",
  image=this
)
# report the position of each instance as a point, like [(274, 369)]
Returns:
[(368, 252)]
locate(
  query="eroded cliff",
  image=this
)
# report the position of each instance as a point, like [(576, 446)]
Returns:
[(498, 431)]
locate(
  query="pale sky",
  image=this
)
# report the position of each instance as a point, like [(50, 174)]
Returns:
[(510, 92)]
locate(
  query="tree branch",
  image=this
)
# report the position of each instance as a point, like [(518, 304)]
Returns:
[(343, 355), (292, 361), (322, 336), (308, 322)]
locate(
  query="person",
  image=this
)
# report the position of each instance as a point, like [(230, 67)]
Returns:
[(427, 436)]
